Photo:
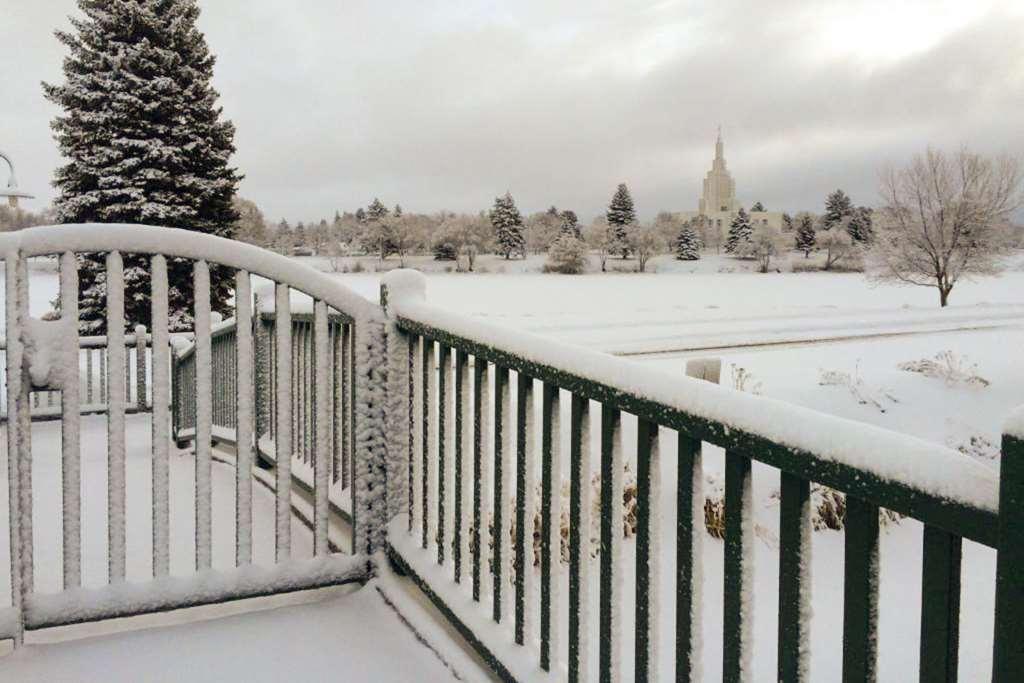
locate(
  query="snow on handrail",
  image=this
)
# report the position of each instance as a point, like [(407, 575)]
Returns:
[(932, 470), (176, 243)]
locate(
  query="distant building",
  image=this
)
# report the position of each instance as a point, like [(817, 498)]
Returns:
[(718, 203), (11, 190)]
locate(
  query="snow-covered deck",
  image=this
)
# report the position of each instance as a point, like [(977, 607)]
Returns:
[(345, 632), (355, 636)]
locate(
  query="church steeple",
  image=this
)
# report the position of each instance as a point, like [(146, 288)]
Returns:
[(719, 193)]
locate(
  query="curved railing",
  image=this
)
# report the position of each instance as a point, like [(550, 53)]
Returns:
[(38, 353), (470, 484)]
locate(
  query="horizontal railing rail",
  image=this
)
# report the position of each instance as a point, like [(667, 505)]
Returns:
[(480, 396)]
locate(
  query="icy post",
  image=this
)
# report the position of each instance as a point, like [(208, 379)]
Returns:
[(397, 287)]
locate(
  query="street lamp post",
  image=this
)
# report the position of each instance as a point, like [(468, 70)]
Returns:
[(11, 191)]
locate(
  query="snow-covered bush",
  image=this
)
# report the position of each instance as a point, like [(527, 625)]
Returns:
[(948, 366), (978, 446), (567, 255)]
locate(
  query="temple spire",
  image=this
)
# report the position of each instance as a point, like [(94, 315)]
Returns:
[(719, 146)]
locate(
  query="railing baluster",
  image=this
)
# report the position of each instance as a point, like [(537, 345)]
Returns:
[(18, 442), (115, 419), (430, 454), (481, 406), (502, 492), (161, 434), (794, 578), (283, 442), (204, 421), (88, 377), (103, 374), (71, 495), (647, 562), (940, 605), (689, 535), (338, 420), (348, 384), (140, 368), (610, 620), (322, 419), (579, 539), (860, 592), (525, 508), (738, 576), (462, 406), (417, 445), (244, 419), (551, 536), (443, 390)]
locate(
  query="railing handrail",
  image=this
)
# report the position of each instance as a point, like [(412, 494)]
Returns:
[(926, 481), (176, 243)]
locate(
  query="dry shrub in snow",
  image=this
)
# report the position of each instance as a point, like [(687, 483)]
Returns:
[(857, 388), (978, 446), (948, 366), (743, 380), (828, 509)]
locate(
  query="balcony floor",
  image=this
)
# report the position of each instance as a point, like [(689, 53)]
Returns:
[(346, 635)]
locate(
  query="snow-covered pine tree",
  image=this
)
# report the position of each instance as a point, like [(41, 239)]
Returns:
[(378, 230), (837, 207), (861, 224), (570, 224), (740, 234), (508, 226), (620, 216), (145, 142), (805, 237), (397, 212), (687, 243), (787, 223), (758, 206)]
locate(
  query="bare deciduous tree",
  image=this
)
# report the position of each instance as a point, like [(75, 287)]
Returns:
[(946, 217), (646, 241)]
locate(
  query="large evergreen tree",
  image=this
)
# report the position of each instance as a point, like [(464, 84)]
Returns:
[(620, 216), (861, 224), (805, 237), (741, 234), (508, 226), (687, 243), (145, 142), (837, 207), (570, 224)]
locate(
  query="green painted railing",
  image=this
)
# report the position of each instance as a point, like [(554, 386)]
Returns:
[(474, 460)]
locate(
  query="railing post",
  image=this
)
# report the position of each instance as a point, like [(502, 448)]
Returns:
[(399, 286), (140, 368), (1008, 648)]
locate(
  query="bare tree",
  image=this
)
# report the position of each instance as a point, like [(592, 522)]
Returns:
[(468, 235), (837, 244), (946, 217), (646, 241), (599, 237), (766, 244)]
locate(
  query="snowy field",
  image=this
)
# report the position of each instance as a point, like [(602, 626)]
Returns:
[(786, 332)]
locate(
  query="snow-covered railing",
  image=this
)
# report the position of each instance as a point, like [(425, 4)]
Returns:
[(474, 459), (44, 356), (302, 393), (92, 363)]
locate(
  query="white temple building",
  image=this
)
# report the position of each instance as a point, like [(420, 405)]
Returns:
[(717, 202)]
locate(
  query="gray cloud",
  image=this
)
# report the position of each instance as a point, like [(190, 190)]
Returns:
[(444, 107)]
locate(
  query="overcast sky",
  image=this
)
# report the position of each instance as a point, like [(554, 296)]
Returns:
[(445, 105)]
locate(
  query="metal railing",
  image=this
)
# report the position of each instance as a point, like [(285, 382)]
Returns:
[(38, 354), (92, 368), (485, 430)]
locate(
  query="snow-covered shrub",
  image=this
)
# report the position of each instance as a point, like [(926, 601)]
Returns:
[(828, 509), (714, 506), (948, 366), (567, 255)]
